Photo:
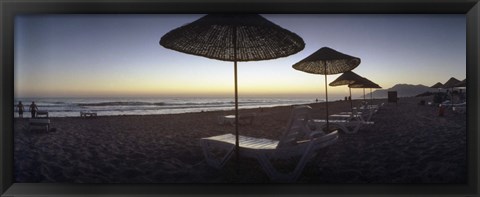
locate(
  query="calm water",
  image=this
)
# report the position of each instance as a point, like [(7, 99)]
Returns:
[(68, 107)]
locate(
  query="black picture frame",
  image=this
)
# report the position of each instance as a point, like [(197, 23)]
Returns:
[(9, 8)]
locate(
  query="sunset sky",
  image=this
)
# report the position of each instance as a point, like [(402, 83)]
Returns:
[(120, 55)]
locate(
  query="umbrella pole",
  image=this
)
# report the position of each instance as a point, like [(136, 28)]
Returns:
[(326, 98), (237, 146), (237, 143), (351, 102), (363, 95), (451, 93), (371, 96)]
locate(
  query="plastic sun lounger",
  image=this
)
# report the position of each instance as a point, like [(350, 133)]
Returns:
[(359, 116), (42, 113), (297, 140), (460, 107), (454, 105), (346, 116), (43, 122), (347, 126), (87, 114), (347, 122), (364, 115)]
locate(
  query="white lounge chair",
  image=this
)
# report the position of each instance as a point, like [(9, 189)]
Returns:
[(376, 107), (85, 114), (459, 107), (345, 125), (363, 113), (43, 123), (42, 113), (297, 140), (449, 104), (347, 122), (363, 116)]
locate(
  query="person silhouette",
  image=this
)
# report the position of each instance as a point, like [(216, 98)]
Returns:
[(33, 109), (20, 109)]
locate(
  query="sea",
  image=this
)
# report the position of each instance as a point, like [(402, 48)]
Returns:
[(71, 107)]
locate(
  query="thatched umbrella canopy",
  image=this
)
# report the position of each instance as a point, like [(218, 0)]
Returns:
[(462, 83), (365, 83), (327, 61), (451, 83), (437, 85), (234, 37), (347, 78)]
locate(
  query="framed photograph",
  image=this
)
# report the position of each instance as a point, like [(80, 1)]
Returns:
[(239, 98)]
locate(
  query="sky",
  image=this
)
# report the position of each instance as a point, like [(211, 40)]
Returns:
[(120, 56)]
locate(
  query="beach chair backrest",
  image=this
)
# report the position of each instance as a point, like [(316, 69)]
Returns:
[(297, 126)]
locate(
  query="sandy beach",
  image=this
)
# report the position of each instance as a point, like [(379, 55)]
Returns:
[(409, 143)]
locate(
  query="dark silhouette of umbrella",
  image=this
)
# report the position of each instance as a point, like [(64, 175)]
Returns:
[(234, 37), (327, 61), (365, 83), (438, 85), (347, 78), (451, 83), (462, 83)]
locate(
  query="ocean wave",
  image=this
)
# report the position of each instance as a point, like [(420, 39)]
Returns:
[(119, 104), (72, 107)]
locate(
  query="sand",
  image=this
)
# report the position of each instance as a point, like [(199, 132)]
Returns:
[(409, 143)]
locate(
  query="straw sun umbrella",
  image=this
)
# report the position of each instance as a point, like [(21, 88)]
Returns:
[(462, 83), (438, 85), (233, 37), (347, 78), (365, 83), (451, 83), (327, 61)]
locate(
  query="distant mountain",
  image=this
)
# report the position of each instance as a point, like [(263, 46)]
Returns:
[(403, 90)]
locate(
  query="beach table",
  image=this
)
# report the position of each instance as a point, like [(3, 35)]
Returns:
[(242, 119), (42, 113), (229, 119)]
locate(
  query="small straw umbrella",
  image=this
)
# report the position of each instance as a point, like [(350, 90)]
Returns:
[(365, 83), (234, 37), (327, 61), (347, 78), (451, 83), (438, 85), (462, 83)]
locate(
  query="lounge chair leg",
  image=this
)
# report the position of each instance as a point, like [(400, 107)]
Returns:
[(274, 174), (356, 127), (211, 159)]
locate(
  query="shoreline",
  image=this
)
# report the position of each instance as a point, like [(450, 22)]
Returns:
[(230, 110), (174, 108), (165, 148)]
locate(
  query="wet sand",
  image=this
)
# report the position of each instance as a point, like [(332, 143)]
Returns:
[(409, 143)]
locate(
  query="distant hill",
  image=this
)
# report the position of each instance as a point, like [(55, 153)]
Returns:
[(403, 90)]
